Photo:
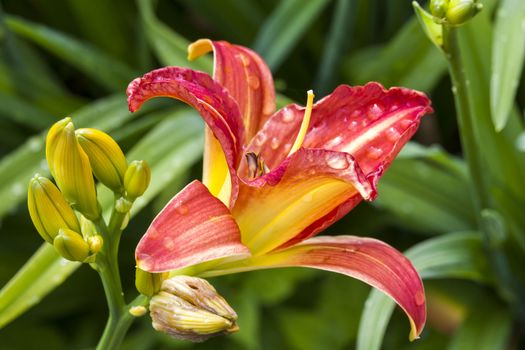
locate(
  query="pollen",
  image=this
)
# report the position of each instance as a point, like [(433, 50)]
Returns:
[(304, 125)]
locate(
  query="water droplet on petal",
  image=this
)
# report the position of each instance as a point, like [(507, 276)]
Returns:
[(308, 198), (274, 144), (337, 162), (353, 125), (375, 111), (420, 298), (182, 209), (393, 107), (260, 138), (287, 115), (244, 59), (392, 134), (374, 152), (254, 82)]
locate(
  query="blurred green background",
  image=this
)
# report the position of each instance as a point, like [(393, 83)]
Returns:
[(76, 57)]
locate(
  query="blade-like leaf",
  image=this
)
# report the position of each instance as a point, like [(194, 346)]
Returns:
[(170, 47), (508, 52), (455, 255), (283, 29), (427, 190), (110, 73)]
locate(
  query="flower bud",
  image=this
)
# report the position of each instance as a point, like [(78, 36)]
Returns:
[(71, 245), (95, 244), (48, 209), (189, 308), (105, 156), (70, 167), (438, 8), (148, 283), (137, 179), (460, 11)]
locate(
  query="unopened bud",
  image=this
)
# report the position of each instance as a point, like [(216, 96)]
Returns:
[(105, 156), (71, 245), (148, 283), (48, 209), (95, 244), (460, 11), (70, 167), (438, 8), (137, 179), (189, 308)]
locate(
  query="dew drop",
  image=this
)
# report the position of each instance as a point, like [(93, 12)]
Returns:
[(393, 107), (260, 138), (337, 162), (182, 209), (374, 152), (17, 189), (254, 82), (353, 125), (375, 111), (308, 198), (274, 144), (335, 142), (244, 59), (35, 144), (420, 298), (287, 115), (43, 165), (392, 134)]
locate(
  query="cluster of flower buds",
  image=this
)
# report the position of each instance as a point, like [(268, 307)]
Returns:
[(74, 157), (454, 12), (189, 308)]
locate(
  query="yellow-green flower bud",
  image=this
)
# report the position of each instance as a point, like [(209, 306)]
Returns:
[(460, 11), (70, 167), (189, 308), (48, 209), (95, 244), (137, 179), (438, 8), (148, 283), (71, 245), (105, 156)]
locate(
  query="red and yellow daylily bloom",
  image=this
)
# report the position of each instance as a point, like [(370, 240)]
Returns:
[(272, 180)]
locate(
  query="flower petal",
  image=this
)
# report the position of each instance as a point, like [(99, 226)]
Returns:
[(369, 260), (308, 186), (210, 99), (194, 227), (246, 77), (369, 122)]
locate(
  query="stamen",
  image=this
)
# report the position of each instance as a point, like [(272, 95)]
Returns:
[(304, 125), (256, 165)]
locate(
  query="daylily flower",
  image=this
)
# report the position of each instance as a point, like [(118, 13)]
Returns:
[(272, 180)]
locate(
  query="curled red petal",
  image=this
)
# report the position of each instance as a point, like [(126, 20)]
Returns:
[(369, 260), (210, 99), (369, 122), (247, 78), (193, 227)]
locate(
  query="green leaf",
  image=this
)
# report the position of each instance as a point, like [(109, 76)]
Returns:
[(39, 276), (433, 30), (408, 60), (97, 65), (336, 42), (284, 27), (508, 53), (170, 47), (455, 255), (427, 190), (181, 147), (482, 332), (20, 111)]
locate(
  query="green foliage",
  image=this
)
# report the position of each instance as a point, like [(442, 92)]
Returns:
[(65, 57)]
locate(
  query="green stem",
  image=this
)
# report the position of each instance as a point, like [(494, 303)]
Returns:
[(464, 112), (508, 288), (119, 319)]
